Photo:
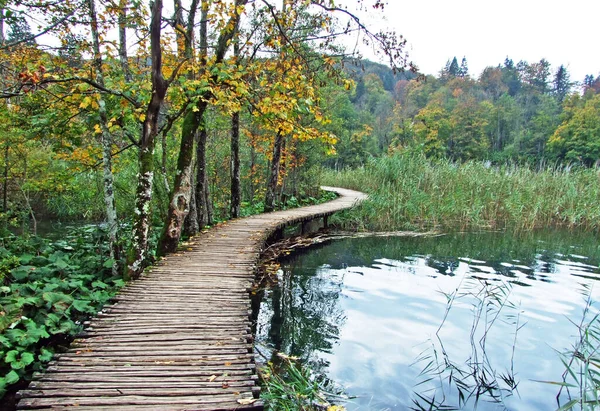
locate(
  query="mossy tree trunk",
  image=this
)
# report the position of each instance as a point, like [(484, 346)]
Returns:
[(138, 258), (179, 205)]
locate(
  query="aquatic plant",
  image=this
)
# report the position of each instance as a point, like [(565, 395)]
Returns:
[(580, 383), (475, 379), (291, 386), (409, 191)]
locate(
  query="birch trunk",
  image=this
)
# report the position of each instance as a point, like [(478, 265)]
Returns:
[(107, 141)]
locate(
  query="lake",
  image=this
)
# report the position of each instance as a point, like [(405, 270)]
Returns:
[(393, 319)]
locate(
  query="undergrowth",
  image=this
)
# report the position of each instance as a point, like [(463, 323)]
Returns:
[(47, 289)]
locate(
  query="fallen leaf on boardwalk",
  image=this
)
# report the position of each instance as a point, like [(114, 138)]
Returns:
[(164, 362), (227, 364), (246, 401), (225, 385), (212, 378)]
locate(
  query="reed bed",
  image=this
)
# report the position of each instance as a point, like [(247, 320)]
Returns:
[(408, 191)]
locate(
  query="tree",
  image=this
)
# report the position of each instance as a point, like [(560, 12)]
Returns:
[(577, 139), (463, 71), (454, 69), (192, 122), (236, 189), (138, 258), (107, 141), (20, 32), (561, 84)]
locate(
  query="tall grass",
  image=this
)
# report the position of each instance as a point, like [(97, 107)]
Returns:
[(408, 191)]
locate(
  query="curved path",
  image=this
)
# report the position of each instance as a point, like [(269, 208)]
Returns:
[(179, 338)]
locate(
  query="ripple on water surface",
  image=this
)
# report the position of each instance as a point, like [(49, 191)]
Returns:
[(363, 311)]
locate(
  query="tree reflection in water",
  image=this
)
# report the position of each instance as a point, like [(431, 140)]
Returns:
[(361, 311)]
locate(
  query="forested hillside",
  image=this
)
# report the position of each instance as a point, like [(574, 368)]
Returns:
[(512, 112)]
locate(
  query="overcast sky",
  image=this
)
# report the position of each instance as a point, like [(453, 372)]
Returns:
[(487, 32)]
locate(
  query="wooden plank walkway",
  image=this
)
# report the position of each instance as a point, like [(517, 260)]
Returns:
[(180, 337)]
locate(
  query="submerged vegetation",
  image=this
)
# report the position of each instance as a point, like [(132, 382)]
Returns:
[(408, 191), (292, 386)]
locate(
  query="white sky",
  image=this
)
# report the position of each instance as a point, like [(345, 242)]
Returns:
[(487, 32)]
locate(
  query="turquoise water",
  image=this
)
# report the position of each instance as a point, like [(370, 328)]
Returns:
[(370, 314)]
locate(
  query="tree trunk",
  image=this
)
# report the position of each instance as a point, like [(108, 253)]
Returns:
[(107, 141), (5, 177), (138, 258), (236, 194), (190, 225), (252, 171), (202, 189), (179, 207), (282, 172), (122, 21), (274, 175), (1, 26), (179, 204)]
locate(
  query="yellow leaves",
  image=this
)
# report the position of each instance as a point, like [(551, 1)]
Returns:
[(85, 102), (89, 101), (97, 129)]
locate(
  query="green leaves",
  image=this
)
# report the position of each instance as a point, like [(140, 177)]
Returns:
[(50, 289), (17, 360)]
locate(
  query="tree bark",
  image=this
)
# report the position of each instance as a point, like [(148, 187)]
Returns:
[(122, 22), (107, 141), (274, 175), (179, 206), (204, 214), (138, 258), (190, 225), (5, 177), (1, 26), (236, 195)]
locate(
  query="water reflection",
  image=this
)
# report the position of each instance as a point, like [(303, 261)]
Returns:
[(363, 310)]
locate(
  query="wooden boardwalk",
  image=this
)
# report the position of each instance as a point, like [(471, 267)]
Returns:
[(180, 337)]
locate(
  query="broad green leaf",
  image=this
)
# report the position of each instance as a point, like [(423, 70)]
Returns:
[(83, 306), (45, 355), (12, 377), (25, 258), (11, 356)]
